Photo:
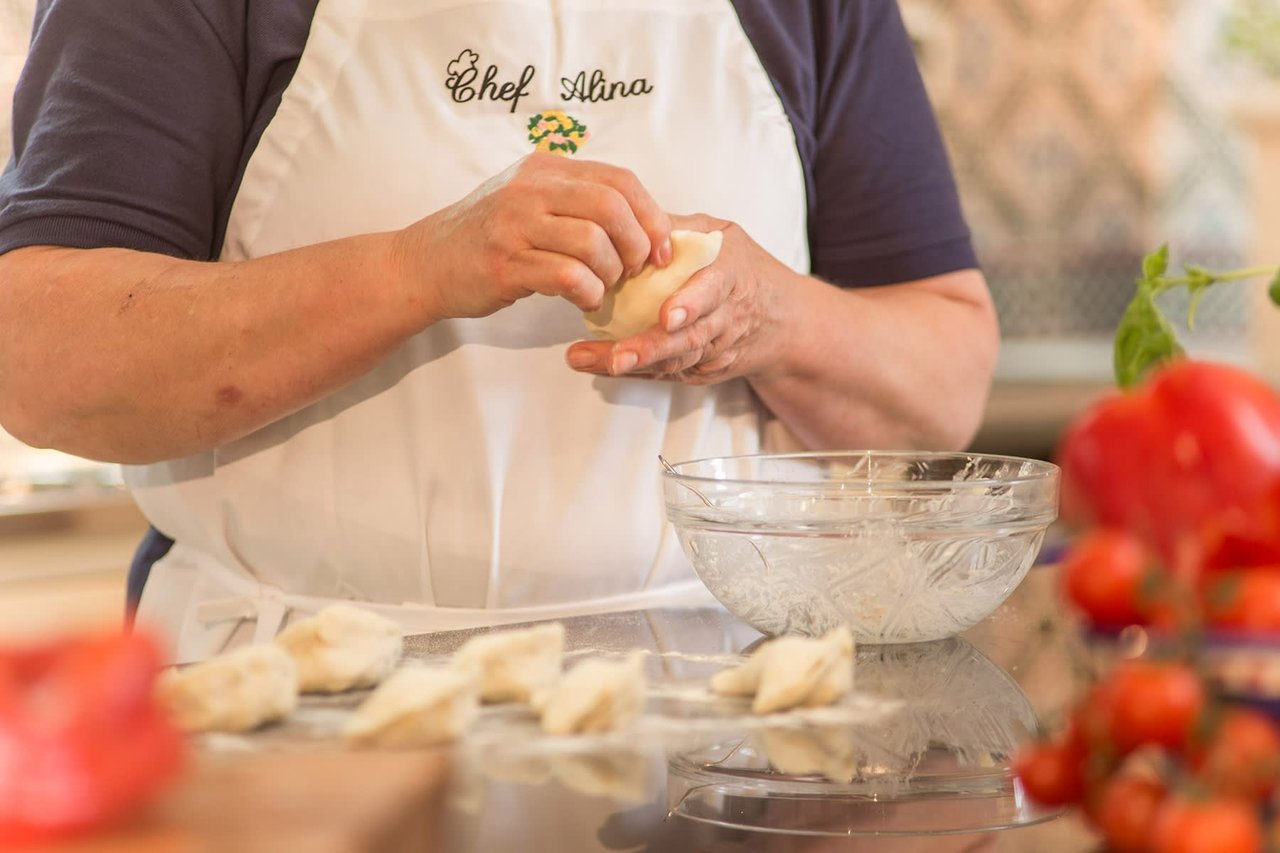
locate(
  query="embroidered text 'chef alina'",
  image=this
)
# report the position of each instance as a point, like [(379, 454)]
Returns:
[(466, 82)]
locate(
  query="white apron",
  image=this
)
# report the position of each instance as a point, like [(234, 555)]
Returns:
[(472, 478)]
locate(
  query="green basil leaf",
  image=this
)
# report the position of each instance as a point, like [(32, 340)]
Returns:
[(1155, 264), (1144, 339), (1273, 289)]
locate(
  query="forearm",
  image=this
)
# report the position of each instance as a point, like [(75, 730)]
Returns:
[(134, 357), (903, 366)]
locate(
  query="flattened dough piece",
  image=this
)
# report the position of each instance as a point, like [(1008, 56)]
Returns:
[(616, 774), (631, 306), (594, 696), (829, 750), (793, 672), (234, 692), (416, 706), (513, 665), (341, 648)]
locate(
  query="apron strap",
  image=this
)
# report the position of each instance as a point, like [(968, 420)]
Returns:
[(266, 606)]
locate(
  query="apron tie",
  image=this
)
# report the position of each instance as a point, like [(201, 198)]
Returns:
[(265, 604)]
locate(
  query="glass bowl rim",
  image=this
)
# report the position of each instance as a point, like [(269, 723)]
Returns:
[(1042, 470)]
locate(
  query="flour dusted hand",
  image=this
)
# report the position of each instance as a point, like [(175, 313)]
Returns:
[(793, 672), (513, 665), (631, 306), (723, 322), (234, 692), (594, 696), (342, 647), (416, 706)]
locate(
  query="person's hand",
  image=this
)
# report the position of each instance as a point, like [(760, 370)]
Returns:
[(719, 325), (547, 224)]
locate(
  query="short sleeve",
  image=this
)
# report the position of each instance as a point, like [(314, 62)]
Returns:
[(128, 125), (882, 205)]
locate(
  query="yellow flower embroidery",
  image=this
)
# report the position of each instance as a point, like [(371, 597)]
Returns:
[(557, 131)]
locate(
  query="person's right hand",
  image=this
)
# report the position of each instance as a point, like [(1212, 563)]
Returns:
[(548, 224)]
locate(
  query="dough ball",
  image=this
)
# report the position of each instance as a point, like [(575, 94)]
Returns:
[(531, 768), (793, 672), (631, 306), (513, 665), (234, 692), (342, 647), (616, 774), (594, 696), (416, 706), (828, 750)]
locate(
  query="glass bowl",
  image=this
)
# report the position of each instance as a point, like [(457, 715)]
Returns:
[(900, 546), (939, 763)]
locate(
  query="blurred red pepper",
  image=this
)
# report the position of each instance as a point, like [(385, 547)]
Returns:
[(82, 740), (1189, 461)]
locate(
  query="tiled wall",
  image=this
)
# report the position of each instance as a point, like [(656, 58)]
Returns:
[(15, 29), (1084, 133)]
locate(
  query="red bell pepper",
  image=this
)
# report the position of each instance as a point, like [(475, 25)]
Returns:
[(83, 741), (1189, 461)]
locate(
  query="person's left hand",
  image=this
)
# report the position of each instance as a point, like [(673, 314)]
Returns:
[(719, 325)]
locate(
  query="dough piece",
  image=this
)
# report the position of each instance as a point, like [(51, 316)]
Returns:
[(793, 672), (234, 692), (342, 647), (631, 306), (416, 706), (532, 768), (828, 750), (594, 696), (618, 775), (513, 665)]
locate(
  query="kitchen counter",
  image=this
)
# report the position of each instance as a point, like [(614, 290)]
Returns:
[(64, 570), (931, 735), (1027, 417), (928, 733)]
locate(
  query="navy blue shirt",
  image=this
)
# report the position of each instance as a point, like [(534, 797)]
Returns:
[(134, 121)]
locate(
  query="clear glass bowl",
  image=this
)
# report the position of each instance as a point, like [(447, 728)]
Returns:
[(939, 763), (900, 546)]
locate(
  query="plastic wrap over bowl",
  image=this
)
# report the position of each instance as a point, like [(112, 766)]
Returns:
[(900, 546)]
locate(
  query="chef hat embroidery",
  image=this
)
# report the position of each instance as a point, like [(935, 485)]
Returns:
[(557, 132)]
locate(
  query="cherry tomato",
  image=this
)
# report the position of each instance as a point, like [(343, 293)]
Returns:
[(1152, 702), (1051, 772), (1104, 576), (1125, 810), (1207, 826), (1244, 600), (1241, 755)]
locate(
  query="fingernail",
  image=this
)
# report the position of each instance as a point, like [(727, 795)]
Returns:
[(676, 318), (665, 252), (624, 361), (580, 359)]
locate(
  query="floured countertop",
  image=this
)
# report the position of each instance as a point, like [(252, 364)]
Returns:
[(921, 745)]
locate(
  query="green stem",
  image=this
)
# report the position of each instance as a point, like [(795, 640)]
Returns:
[(1234, 275)]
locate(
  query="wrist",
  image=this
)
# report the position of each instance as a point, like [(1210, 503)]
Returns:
[(412, 285), (789, 324)]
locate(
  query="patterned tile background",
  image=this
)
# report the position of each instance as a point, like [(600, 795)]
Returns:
[(1084, 133)]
